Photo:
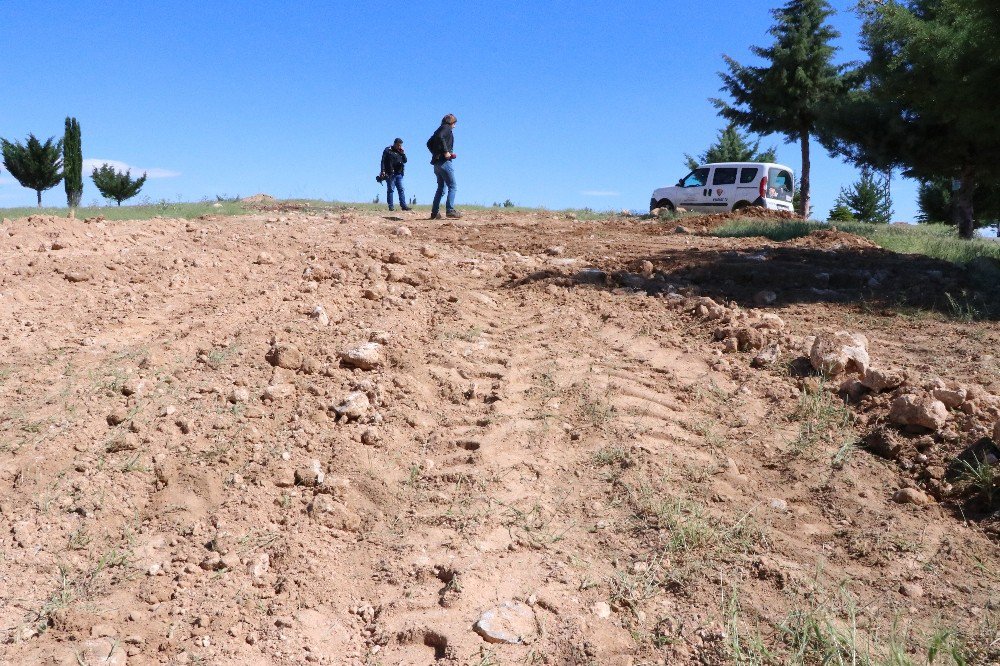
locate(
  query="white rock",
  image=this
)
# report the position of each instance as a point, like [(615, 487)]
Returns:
[(921, 410), (355, 405), (367, 356), (320, 315), (511, 622), (835, 353), (878, 379), (602, 609), (279, 391)]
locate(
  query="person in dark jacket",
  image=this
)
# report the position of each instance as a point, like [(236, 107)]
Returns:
[(442, 146), (393, 165)]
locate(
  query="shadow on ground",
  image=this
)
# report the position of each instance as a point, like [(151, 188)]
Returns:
[(861, 275)]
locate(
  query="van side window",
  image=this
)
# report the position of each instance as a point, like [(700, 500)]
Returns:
[(748, 175), (696, 178), (724, 176)]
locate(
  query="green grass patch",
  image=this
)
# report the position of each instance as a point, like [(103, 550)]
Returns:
[(225, 205), (938, 241)]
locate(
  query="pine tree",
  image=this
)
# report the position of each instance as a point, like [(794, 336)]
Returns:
[(934, 202), (926, 99), (788, 94), (34, 164), (116, 185), (72, 164), (868, 199), (731, 146), (840, 212)]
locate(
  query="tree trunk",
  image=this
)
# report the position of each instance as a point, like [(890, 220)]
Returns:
[(39, 193), (962, 209), (804, 201)]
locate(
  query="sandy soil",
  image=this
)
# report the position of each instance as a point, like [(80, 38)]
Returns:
[(338, 437)]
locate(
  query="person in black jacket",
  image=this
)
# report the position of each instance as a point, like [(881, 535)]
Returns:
[(442, 145), (393, 165)]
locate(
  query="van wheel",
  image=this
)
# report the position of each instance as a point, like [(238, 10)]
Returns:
[(665, 203), (740, 205)]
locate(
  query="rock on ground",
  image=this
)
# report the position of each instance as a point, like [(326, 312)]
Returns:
[(920, 410), (511, 622), (878, 379), (835, 353), (366, 357), (285, 356)]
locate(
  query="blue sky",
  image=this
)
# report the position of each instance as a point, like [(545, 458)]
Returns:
[(560, 104)]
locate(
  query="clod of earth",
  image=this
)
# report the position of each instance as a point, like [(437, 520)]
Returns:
[(285, 356)]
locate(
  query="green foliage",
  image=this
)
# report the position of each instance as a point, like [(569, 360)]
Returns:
[(868, 199), (116, 185), (34, 164), (934, 201), (789, 93), (926, 99), (840, 212), (731, 146), (72, 163)]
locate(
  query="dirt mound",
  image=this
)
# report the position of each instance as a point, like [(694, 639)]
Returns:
[(831, 239), (258, 199), (342, 439), (708, 223)]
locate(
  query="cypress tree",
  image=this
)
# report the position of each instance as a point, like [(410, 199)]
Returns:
[(788, 94), (72, 164), (34, 164)]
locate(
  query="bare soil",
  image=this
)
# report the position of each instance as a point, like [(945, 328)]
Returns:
[(545, 422)]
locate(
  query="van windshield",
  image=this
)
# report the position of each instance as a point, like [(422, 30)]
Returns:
[(780, 184)]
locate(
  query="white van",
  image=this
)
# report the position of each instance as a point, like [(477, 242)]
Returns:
[(722, 187)]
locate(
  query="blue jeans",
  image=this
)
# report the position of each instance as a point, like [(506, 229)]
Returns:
[(397, 183), (446, 177)]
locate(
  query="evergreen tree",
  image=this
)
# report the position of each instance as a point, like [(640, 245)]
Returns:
[(72, 163), (935, 196), (840, 212), (34, 164), (788, 94), (731, 146), (116, 185), (926, 99), (868, 199)]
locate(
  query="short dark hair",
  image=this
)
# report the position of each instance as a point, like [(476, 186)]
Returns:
[(450, 119), (397, 142)]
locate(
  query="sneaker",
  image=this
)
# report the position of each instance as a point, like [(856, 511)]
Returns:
[(436, 217), (391, 209), (406, 208), (454, 213)]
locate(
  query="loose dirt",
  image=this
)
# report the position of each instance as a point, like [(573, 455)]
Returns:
[(339, 437)]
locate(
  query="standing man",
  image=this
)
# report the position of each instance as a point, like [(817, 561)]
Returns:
[(441, 144), (393, 161)]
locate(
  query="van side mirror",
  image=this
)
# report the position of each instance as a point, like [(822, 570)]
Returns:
[(680, 183)]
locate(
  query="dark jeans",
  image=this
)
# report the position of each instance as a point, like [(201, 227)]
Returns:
[(397, 183), (446, 177)]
